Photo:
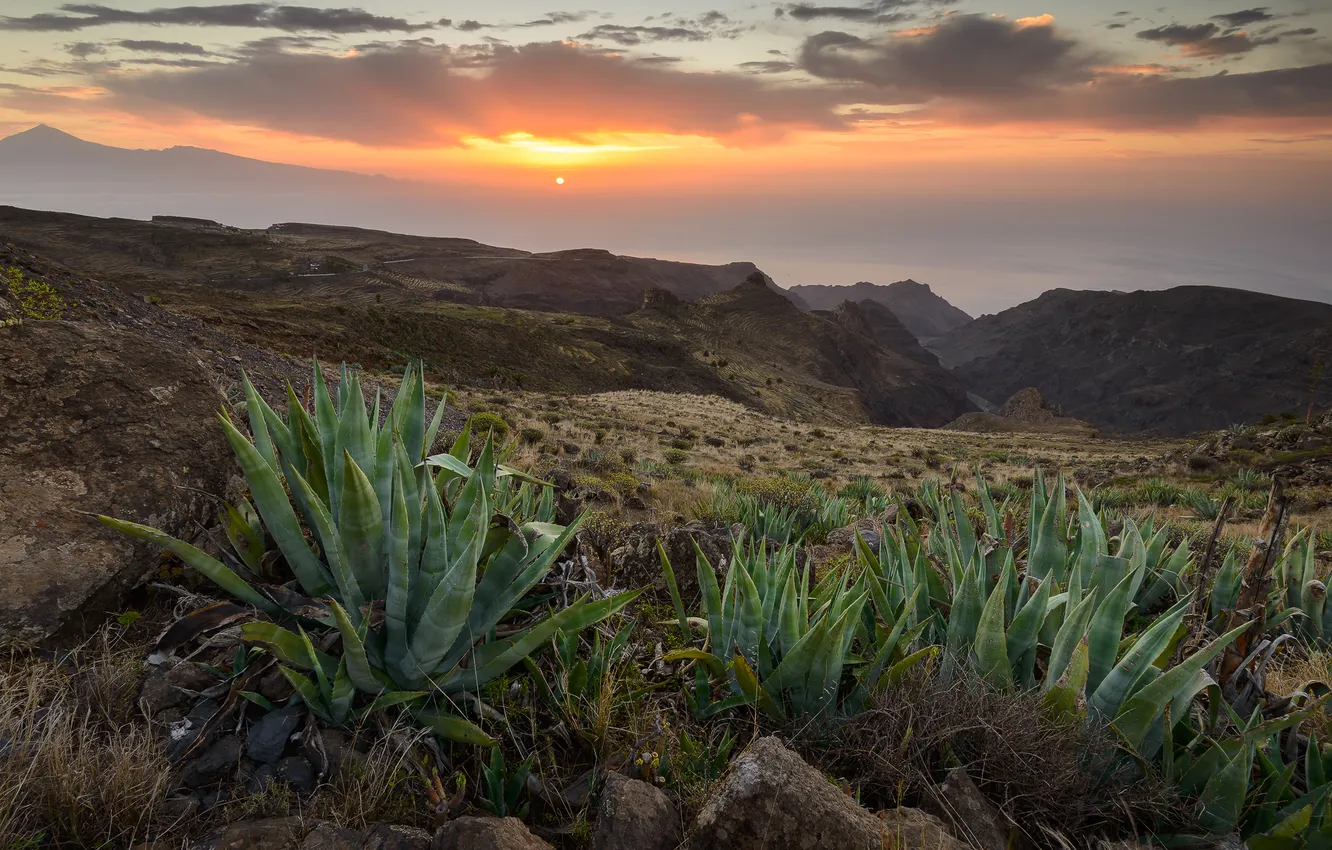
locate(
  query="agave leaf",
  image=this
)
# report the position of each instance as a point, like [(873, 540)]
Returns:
[(1069, 636), (674, 589), (1107, 626), (270, 498), (398, 650), (716, 667), (1120, 682), (362, 675), (454, 728), (1222, 799), (1023, 632), (361, 525), (348, 587), (499, 657), (213, 569), (287, 646), (1065, 698), (991, 650), (966, 613), (1177, 685), (245, 541)]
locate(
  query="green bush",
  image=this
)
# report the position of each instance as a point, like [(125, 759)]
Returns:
[(676, 456), (531, 436), (35, 299), (488, 423)]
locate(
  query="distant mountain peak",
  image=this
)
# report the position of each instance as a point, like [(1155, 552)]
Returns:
[(45, 134), (927, 315)]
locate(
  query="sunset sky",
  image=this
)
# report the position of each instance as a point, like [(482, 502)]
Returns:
[(1066, 142)]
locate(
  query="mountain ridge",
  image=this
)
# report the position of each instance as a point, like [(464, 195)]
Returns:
[(1178, 360), (925, 313)]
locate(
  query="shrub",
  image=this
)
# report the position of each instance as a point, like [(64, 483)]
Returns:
[(552, 417), (676, 456), (714, 441), (488, 423), (747, 463), (628, 455), (531, 436), (682, 443), (35, 299)]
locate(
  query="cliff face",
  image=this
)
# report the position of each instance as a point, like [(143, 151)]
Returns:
[(859, 356), (1178, 360), (924, 313)]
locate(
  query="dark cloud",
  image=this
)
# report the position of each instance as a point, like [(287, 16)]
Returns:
[(1115, 26), (1299, 33), (470, 26), (414, 95), (633, 36), (181, 48), (85, 49), (1157, 102), (1204, 40), (878, 12), (771, 66), (1245, 17), (79, 16), (965, 55), (555, 18)]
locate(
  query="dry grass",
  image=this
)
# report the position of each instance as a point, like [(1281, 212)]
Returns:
[(1294, 672), (1040, 772), (76, 769)]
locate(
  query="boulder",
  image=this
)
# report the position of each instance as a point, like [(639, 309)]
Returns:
[(960, 803), (474, 833), (869, 528), (329, 836), (266, 834), (636, 562), (769, 797), (634, 815), (268, 738), (96, 419), (388, 836)]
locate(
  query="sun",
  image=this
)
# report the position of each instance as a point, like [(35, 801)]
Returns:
[(559, 181)]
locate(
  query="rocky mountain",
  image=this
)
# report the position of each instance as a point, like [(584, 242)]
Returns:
[(1178, 360), (924, 313), (295, 260), (821, 361)]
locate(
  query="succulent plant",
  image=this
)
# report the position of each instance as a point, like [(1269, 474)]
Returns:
[(412, 561)]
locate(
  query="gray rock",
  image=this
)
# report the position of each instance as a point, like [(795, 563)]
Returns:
[(266, 834), (770, 798), (386, 836), (961, 804), (472, 833), (328, 836), (183, 735), (298, 773), (214, 763), (259, 778), (268, 738), (634, 815), (79, 407), (191, 676)]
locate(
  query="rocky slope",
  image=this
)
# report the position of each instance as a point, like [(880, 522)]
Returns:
[(924, 313), (816, 362), (294, 260), (1179, 360)]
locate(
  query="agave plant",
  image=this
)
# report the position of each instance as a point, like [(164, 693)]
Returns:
[(780, 641), (395, 530)]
